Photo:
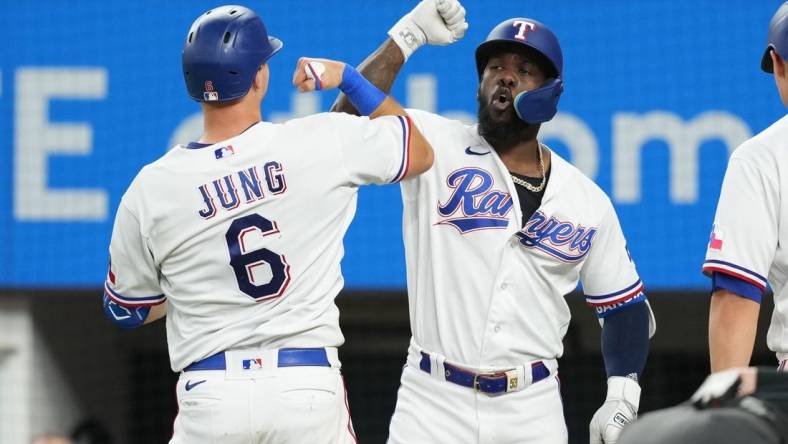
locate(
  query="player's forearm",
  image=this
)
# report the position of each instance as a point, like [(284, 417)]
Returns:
[(625, 340), (733, 323), (312, 74), (380, 68)]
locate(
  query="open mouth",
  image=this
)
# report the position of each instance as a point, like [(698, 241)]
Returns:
[(502, 98)]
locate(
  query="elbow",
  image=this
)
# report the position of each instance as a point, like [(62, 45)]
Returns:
[(124, 317), (429, 157), (424, 160)]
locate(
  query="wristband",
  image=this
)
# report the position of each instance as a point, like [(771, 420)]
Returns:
[(365, 96)]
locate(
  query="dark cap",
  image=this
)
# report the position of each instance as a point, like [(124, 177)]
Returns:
[(777, 39)]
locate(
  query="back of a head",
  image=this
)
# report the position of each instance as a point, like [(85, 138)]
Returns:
[(777, 38), (685, 424), (223, 51)]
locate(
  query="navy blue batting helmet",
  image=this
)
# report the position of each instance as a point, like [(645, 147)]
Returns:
[(223, 51), (777, 39), (541, 104)]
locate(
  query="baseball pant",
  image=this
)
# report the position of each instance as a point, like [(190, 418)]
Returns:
[(431, 411), (284, 405)]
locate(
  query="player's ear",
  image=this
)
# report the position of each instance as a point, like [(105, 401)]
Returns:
[(260, 82), (778, 63)]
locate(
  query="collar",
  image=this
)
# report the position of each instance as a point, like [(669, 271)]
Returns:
[(198, 145), (558, 170)]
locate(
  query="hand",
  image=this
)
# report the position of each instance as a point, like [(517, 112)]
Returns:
[(437, 22), (620, 408), (315, 74), (725, 385)]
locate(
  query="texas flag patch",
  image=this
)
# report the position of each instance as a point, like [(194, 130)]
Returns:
[(224, 151), (716, 238)]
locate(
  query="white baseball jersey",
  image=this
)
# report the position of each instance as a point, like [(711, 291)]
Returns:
[(484, 290), (750, 231), (243, 239)]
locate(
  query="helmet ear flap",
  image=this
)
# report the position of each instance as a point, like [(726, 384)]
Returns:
[(541, 104)]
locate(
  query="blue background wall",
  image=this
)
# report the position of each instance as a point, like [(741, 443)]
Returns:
[(623, 59)]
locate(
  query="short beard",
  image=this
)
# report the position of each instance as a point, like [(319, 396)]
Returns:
[(505, 131)]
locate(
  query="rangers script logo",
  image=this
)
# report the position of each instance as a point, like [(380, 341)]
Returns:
[(481, 207), (560, 239)]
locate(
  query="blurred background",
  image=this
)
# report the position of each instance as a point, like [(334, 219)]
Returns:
[(657, 95)]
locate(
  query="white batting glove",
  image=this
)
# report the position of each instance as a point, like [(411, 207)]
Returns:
[(437, 22), (620, 408)]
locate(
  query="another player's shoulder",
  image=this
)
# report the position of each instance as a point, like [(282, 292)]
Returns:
[(766, 147)]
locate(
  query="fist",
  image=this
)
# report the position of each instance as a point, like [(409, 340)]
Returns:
[(437, 22), (443, 21), (620, 408), (609, 420), (317, 74)]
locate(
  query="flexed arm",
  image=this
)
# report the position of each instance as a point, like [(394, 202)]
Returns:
[(314, 74), (437, 22)]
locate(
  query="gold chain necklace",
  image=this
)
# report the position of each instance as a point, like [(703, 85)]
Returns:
[(527, 185)]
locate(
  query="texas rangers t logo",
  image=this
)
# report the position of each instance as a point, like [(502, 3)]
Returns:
[(524, 27), (482, 207)]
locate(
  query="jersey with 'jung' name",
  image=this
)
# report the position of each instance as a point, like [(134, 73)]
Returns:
[(243, 239), (484, 290)]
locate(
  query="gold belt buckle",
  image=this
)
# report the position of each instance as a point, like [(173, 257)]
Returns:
[(476, 382)]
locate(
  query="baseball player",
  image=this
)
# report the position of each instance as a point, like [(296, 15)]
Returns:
[(240, 234), (746, 248), (496, 233)]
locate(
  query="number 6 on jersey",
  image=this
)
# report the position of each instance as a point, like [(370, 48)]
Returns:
[(248, 262)]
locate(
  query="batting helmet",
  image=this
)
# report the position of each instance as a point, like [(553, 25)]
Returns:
[(541, 104), (777, 39), (223, 51)]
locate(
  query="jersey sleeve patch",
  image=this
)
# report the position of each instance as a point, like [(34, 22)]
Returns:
[(720, 280), (610, 303), (405, 123), (736, 271), (125, 301)]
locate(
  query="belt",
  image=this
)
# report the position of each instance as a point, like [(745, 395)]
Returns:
[(492, 383), (287, 357)]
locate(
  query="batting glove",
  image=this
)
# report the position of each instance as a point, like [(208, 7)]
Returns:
[(437, 22), (620, 407)]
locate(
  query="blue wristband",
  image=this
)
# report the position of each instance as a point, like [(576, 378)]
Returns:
[(365, 96)]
